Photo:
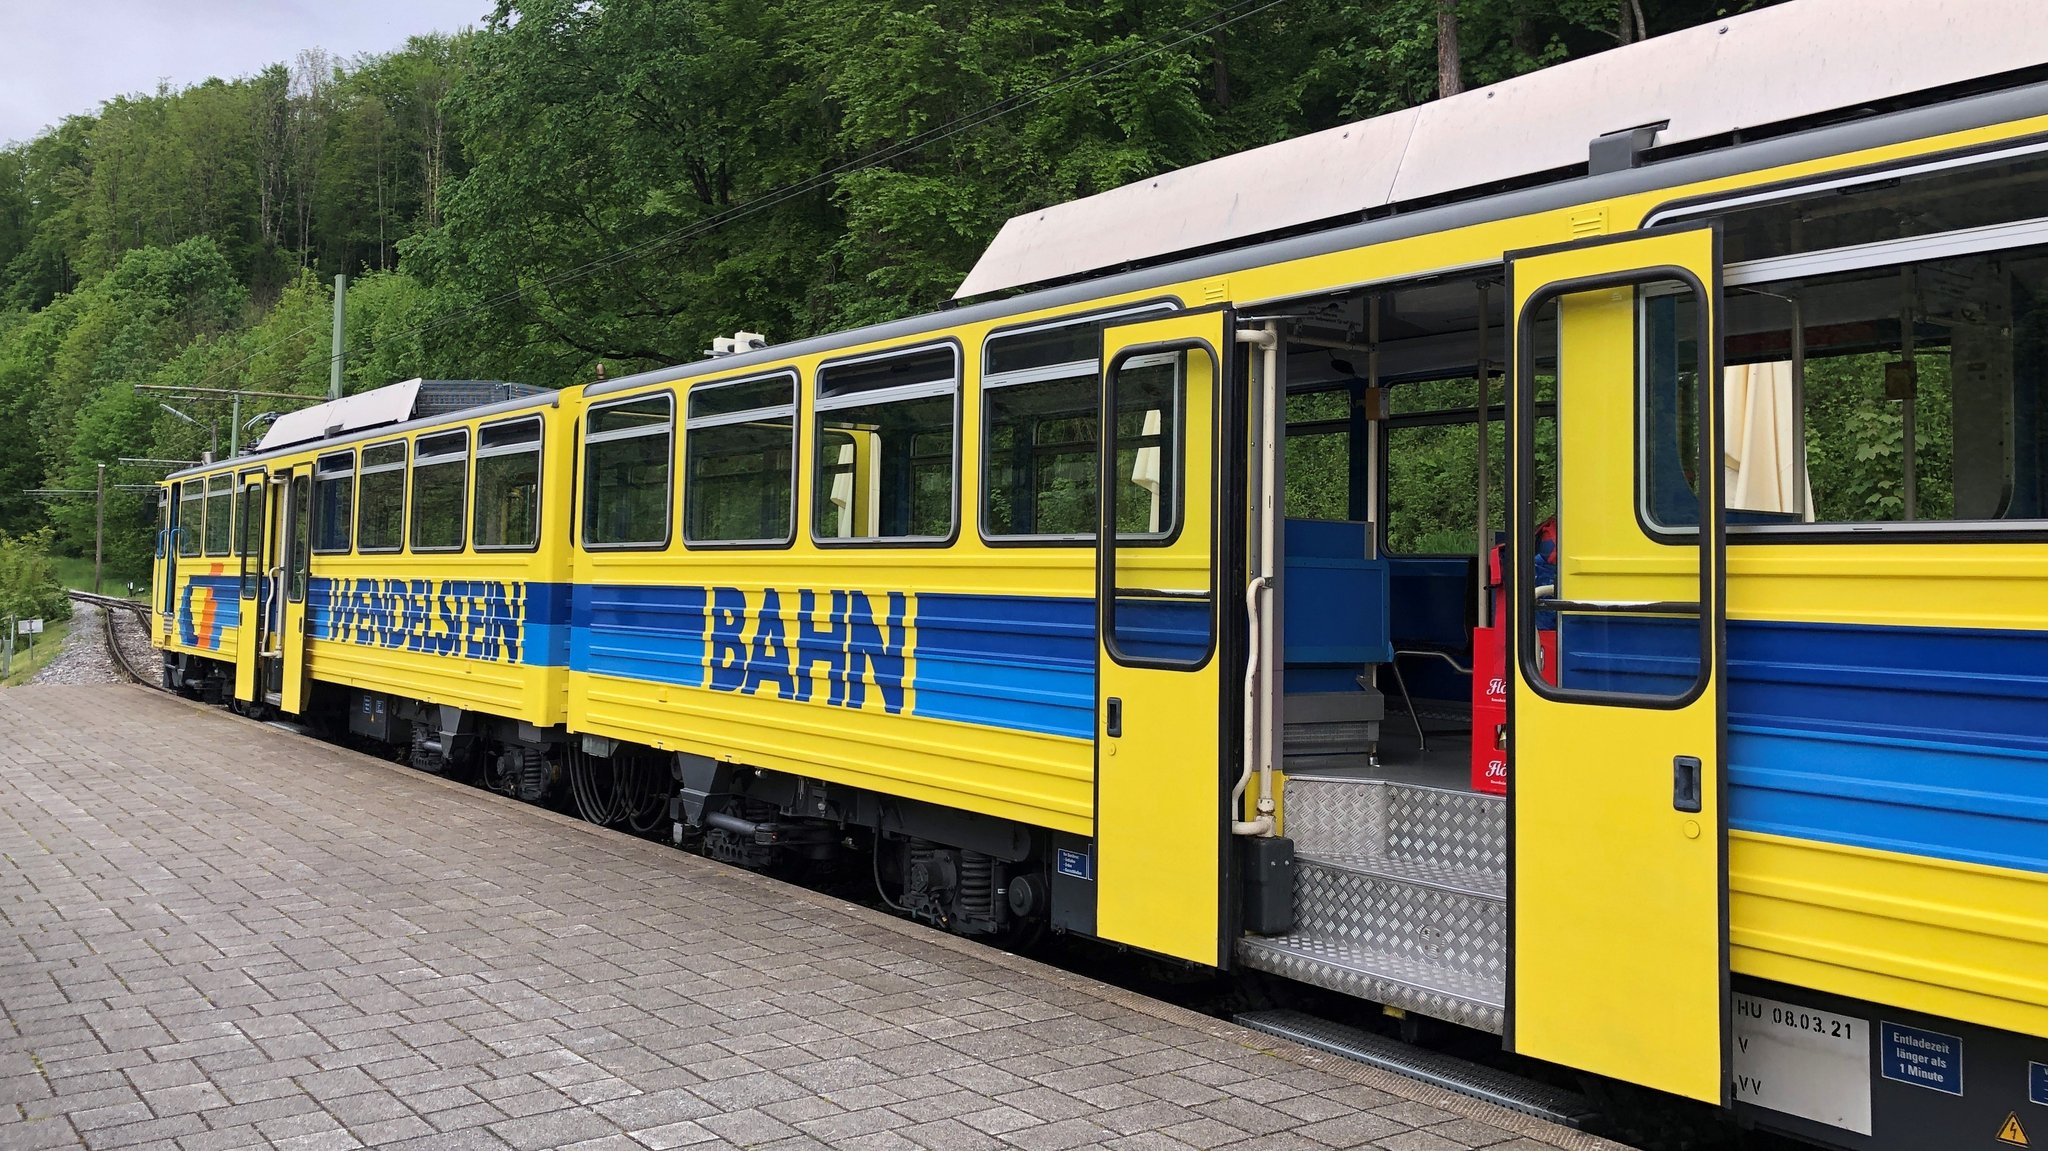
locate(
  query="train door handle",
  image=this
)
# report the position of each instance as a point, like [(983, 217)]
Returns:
[(1113, 718), (1686, 775)]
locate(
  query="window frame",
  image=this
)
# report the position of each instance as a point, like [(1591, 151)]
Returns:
[(538, 450), (724, 419), (1524, 608), (322, 473), (1174, 351), (226, 482), (585, 438), (403, 467), (906, 392), (1935, 245), (412, 481), (191, 493), (1023, 377), (256, 481)]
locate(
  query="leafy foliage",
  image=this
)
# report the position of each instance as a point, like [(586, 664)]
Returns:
[(29, 588), (582, 184)]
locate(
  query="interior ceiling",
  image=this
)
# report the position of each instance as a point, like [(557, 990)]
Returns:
[(1427, 331)]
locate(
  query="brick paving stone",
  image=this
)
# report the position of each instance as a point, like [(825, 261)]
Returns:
[(218, 935)]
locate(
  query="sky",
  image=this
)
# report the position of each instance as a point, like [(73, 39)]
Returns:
[(60, 57)]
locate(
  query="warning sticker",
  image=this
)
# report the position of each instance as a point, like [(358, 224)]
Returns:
[(1813, 1064), (2012, 1132)]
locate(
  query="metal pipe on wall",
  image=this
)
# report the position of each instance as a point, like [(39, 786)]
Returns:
[(1261, 678)]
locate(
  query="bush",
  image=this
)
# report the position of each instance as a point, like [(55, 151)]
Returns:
[(29, 587)]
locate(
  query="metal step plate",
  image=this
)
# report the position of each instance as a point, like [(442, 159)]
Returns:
[(1554, 1104), (1455, 930), (1404, 981), (1338, 816)]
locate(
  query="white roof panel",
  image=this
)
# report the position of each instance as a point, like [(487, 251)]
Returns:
[(391, 404), (1783, 63)]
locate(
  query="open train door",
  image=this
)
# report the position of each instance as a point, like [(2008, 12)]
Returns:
[(250, 642), (285, 571), (1160, 817), (1618, 873)]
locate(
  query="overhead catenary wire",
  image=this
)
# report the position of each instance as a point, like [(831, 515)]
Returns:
[(1217, 21)]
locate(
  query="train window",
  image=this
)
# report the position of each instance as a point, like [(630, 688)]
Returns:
[(1318, 455), (626, 471), (1157, 590), (1040, 391), (191, 525), (302, 514), (380, 498), (249, 540), (1902, 205), (507, 508), (1870, 390), (220, 514), (1148, 400), (440, 479), (1432, 468), (739, 462), (885, 434), (334, 489)]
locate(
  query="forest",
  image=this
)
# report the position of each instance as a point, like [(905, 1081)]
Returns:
[(581, 187)]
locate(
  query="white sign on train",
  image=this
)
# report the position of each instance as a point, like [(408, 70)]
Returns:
[(1799, 1061)]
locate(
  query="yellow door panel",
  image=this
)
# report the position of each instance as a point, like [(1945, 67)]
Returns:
[(251, 515), (1618, 868), (1160, 803), (294, 497)]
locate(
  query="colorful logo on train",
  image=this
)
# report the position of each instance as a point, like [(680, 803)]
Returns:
[(474, 619), (207, 605)]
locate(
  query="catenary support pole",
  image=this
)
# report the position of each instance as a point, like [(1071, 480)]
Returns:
[(99, 526), (340, 311)]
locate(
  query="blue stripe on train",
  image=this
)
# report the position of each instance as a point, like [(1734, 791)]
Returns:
[(1925, 741), (500, 621), (1021, 662), (644, 633)]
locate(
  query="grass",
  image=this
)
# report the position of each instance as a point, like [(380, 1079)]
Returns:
[(48, 646), (75, 572)]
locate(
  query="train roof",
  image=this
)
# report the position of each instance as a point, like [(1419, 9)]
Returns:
[(392, 409), (1787, 64), (413, 399)]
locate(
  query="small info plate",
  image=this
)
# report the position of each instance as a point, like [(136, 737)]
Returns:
[(1803, 1062)]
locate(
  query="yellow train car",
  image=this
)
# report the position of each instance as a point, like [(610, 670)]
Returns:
[(396, 550), (1570, 560), (198, 568)]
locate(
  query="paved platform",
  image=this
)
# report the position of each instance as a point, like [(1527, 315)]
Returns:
[(217, 934)]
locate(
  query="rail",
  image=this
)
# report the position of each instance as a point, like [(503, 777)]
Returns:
[(106, 604)]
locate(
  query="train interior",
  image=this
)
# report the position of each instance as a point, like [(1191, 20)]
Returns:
[(1386, 612), (1886, 382), (1383, 553)]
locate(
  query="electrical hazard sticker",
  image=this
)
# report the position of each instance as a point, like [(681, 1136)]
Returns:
[(2012, 1133)]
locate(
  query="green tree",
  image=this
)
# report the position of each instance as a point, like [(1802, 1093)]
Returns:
[(29, 587)]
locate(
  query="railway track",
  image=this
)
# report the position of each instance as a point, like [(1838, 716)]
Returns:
[(108, 605)]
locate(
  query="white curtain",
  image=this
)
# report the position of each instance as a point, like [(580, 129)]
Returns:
[(1760, 446)]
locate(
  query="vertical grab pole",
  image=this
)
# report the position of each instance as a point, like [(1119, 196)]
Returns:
[(1260, 678)]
